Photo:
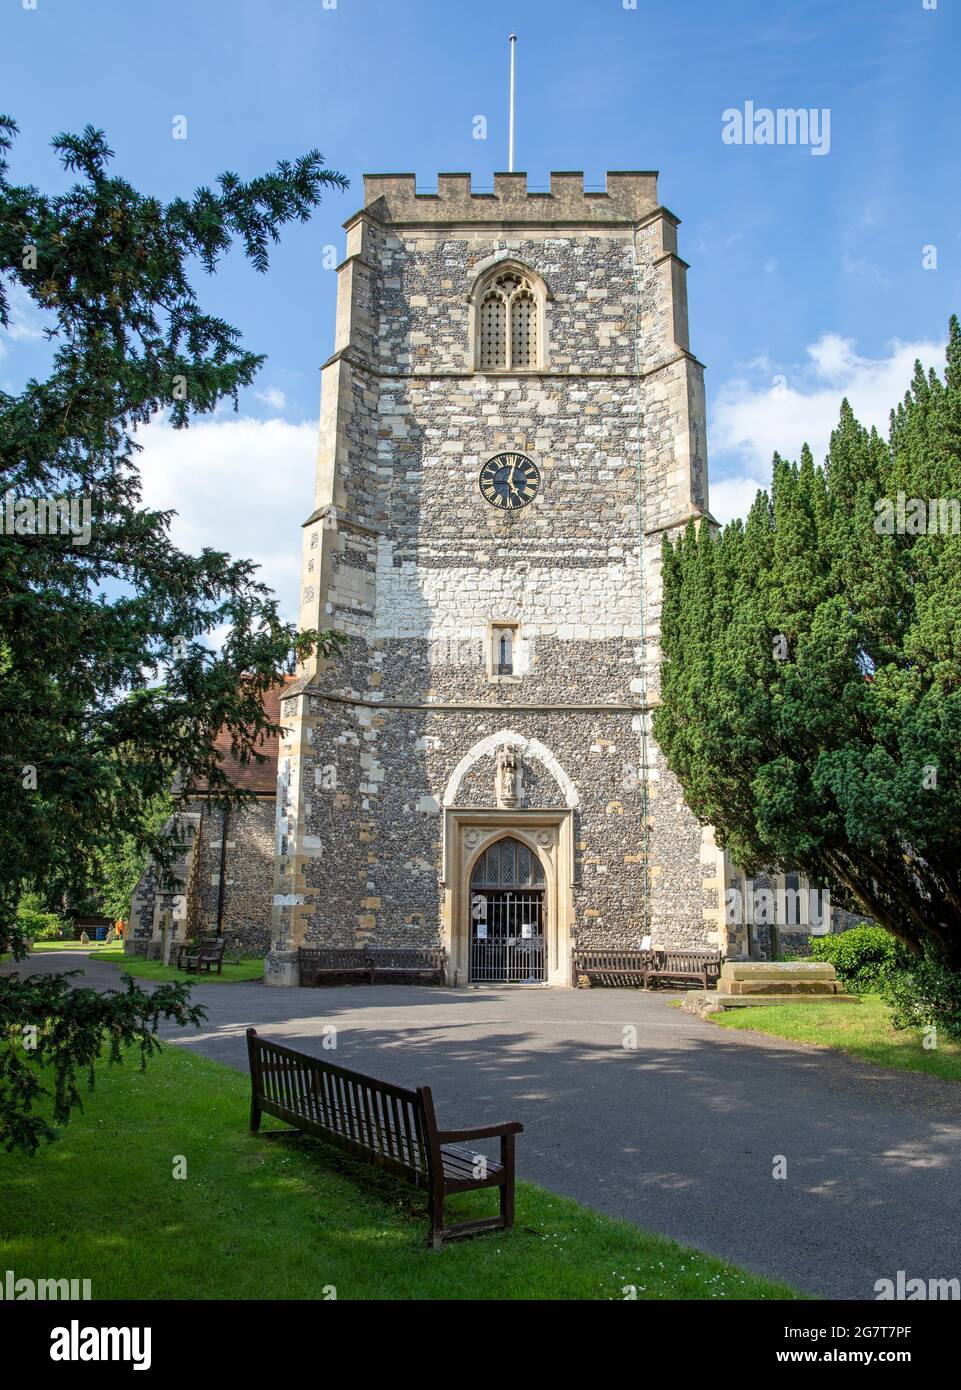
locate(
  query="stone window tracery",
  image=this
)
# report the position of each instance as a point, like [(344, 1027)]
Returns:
[(508, 324), (508, 863)]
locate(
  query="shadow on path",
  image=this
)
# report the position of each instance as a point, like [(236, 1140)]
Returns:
[(678, 1132)]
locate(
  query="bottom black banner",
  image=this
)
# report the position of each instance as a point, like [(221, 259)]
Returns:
[(227, 1338)]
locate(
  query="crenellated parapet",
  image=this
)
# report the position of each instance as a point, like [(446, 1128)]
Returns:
[(627, 197)]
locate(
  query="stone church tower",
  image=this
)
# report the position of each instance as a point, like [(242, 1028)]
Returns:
[(511, 420)]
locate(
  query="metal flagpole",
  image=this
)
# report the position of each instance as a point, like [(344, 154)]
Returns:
[(510, 147)]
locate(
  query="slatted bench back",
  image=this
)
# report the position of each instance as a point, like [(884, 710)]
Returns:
[(611, 967), (693, 959), (331, 960), (405, 958), (688, 960), (678, 960), (334, 957), (384, 1124), (626, 960)]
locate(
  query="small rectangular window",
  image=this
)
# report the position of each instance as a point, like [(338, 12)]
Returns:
[(503, 640), (505, 652)]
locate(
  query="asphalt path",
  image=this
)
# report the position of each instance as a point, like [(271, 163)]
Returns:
[(650, 1114)]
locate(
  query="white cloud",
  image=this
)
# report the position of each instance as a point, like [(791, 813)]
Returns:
[(273, 397), (834, 357), (239, 485), (752, 419), (732, 497)]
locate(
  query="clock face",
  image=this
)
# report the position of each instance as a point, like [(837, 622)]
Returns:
[(509, 481)]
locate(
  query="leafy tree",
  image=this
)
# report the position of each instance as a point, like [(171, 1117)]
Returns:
[(116, 869), (116, 865), (34, 922), (107, 684), (52, 1028), (812, 677)]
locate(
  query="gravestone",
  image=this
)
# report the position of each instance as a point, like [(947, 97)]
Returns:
[(778, 978), (744, 984)]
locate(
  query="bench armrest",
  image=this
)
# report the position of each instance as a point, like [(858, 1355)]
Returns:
[(453, 1136)]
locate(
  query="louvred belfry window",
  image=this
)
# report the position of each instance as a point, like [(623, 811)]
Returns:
[(493, 351), (523, 330), (507, 323)]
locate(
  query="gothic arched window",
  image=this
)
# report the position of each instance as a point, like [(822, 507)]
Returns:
[(508, 322), (508, 864)]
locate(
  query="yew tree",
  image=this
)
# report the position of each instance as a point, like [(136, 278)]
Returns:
[(812, 675), (109, 685)]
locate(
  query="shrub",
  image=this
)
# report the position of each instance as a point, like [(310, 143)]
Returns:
[(863, 957), (50, 930), (35, 923), (922, 991), (918, 989)]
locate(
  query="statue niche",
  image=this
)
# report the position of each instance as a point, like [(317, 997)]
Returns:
[(509, 783)]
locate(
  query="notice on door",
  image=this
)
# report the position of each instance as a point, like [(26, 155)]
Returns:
[(481, 931)]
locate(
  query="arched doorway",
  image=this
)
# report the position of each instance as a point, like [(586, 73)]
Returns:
[(507, 915)]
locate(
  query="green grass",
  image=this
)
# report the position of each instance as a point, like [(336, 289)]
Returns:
[(156, 970), (864, 1030), (285, 1216)]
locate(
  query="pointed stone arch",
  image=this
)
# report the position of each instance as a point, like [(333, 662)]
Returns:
[(526, 747), (522, 836), (508, 317)]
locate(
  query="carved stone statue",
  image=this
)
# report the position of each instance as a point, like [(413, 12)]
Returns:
[(510, 778)]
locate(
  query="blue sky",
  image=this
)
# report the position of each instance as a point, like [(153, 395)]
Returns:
[(806, 280)]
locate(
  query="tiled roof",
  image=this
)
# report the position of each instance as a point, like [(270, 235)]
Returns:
[(253, 776)]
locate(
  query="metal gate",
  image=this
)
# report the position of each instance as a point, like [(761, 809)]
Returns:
[(507, 939), (508, 943)]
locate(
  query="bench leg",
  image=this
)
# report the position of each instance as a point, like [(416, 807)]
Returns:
[(435, 1200), (254, 1115), (507, 1187)]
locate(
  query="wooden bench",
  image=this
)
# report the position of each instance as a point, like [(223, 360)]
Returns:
[(388, 1126), (408, 963), (384, 962), (611, 967), (316, 962), (202, 957), (704, 966)]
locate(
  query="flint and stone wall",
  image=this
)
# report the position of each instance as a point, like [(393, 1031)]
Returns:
[(403, 555), (248, 881)]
